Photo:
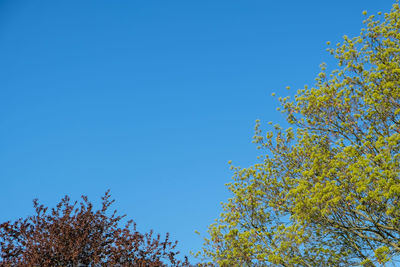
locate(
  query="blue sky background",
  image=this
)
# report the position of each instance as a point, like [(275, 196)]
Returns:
[(150, 98)]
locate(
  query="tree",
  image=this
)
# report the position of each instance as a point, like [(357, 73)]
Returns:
[(78, 235), (326, 192)]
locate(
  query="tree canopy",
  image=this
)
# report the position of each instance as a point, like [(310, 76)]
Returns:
[(326, 190), (73, 234)]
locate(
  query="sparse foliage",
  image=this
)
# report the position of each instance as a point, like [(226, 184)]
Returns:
[(73, 234), (327, 190)]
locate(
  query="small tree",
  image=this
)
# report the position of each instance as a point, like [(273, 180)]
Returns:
[(78, 235), (327, 190)]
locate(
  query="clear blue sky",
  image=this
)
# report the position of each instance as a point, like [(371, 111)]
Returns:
[(150, 98)]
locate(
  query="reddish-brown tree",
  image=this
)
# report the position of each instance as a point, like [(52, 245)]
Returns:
[(73, 234)]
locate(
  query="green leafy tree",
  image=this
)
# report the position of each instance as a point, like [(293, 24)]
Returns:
[(326, 191)]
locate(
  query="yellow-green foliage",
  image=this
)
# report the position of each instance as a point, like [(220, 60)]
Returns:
[(327, 190)]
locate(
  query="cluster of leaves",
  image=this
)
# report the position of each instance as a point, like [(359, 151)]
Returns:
[(77, 235), (327, 190)]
